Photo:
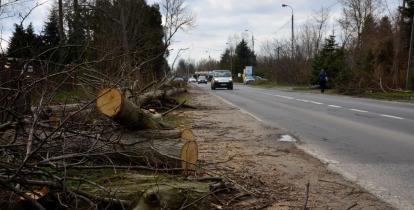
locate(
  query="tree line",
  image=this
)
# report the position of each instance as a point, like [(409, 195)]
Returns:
[(233, 58), (119, 38), (367, 51)]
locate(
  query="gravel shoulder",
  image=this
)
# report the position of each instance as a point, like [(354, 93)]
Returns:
[(276, 173)]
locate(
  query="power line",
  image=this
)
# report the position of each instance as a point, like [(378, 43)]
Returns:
[(283, 26)]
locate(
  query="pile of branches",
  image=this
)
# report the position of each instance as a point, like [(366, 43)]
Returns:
[(79, 155)]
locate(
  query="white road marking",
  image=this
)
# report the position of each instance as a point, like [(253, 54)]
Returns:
[(285, 97), (358, 110), (268, 94), (280, 96), (315, 102), (335, 106), (391, 116)]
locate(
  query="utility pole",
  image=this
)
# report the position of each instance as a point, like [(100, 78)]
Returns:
[(293, 38), (293, 30), (409, 76), (252, 39), (252, 43)]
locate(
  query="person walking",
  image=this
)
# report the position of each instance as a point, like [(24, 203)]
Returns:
[(323, 78)]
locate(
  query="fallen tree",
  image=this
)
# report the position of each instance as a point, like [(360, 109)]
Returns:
[(112, 103)]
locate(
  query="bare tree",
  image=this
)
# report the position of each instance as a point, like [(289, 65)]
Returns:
[(321, 18), (176, 17), (356, 12)]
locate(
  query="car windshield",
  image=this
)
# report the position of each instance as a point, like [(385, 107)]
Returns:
[(201, 77), (222, 74)]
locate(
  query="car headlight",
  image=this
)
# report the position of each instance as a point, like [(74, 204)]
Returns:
[(231, 80)]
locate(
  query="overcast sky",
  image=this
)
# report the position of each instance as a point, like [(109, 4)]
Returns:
[(217, 20)]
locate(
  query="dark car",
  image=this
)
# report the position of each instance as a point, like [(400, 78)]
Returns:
[(202, 79)]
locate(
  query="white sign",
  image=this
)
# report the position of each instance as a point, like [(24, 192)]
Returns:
[(248, 71)]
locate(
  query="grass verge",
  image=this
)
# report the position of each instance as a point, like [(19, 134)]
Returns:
[(394, 95)]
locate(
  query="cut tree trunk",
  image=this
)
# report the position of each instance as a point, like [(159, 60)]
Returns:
[(112, 103), (161, 152), (158, 152), (159, 94), (131, 149), (149, 192)]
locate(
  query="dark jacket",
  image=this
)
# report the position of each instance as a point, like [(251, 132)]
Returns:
[(322, 76)]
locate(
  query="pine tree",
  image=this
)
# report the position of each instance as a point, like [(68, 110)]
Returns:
[(365, 61), (225, 60), (50, 37), (144, 35), (331, 59), (24, 42), (244, 57), (385, 49), (18, 45)]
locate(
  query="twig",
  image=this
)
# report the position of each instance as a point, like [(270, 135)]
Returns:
[(206, 179), (18, 192), (174, 108), (138, 168), (201, 198), (237, 197), (307, 197), (352, 206), (263, 206), (4, 125), (332, 182), (189, 106)]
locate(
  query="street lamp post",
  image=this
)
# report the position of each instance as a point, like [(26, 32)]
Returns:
[(293, 33), (247, 30)]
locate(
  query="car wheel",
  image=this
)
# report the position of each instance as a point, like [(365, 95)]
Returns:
[(230, 88)]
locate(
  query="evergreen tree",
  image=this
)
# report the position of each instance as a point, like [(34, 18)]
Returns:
[(50, 38), (18, 45), (151, 39), (24, 42), (144, 35), (385, 51), (225, 60), (77, 21), (331, 59), (244, 57), (365, 62)]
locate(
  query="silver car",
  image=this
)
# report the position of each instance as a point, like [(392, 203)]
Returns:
[(222, 79)]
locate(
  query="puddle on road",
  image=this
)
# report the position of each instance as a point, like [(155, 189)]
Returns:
[(286, 138)]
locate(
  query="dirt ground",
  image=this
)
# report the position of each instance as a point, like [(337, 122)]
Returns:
[(269, 173)]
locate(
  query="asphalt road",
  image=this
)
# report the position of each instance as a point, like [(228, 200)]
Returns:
[(368, 141)]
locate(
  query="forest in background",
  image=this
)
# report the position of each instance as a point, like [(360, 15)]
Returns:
[(126, 40), (368, 52)]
